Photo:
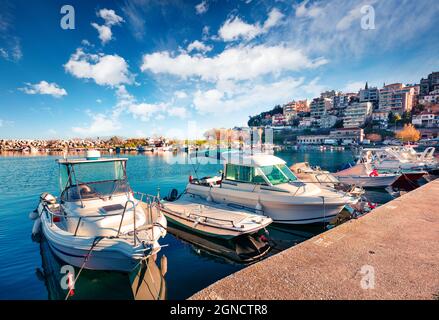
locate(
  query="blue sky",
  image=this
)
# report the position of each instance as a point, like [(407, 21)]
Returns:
[(143, 67)]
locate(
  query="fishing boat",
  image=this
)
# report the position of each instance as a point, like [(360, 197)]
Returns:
[(365, 176), (264, 183), (211, 219), (97, 223)]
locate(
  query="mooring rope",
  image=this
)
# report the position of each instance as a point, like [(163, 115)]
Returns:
[(87, 256)]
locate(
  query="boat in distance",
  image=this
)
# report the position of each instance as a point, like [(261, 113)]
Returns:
[(263, 183), (97, 223)]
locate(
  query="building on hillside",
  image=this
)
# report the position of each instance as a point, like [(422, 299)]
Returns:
[(429, 84), (426, 119), (342, 100), (397, 98), (328, 94), (370, 95), (278, 120), (431, 98), (347, 135), (289, 111), (320, 107), (305, 122), (356, 114)]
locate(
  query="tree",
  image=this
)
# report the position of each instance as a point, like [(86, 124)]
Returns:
[(409, 133)]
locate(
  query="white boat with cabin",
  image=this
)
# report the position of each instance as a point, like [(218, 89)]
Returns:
[(264, 183), (97, 223)]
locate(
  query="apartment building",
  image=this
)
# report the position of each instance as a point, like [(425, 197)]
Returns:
[(356, 114), (397, 98)]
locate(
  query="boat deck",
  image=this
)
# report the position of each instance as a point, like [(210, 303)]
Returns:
[(194, 207)]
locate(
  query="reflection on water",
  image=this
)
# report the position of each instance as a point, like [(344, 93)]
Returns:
[(243, 249), (192, 262), (146, 282)]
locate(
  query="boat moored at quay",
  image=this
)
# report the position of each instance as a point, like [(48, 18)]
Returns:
[(97, 223), (263, 183)]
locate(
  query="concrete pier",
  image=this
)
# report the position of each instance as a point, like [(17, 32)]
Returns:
[(391, 253)]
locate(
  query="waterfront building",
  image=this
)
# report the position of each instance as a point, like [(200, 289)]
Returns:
[(429, 84), (397, 98), (369, 95), (312, 139), (328, 94), (356, 114), (346, 135)]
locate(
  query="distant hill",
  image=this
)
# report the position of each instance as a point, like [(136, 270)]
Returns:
[(257, 120)]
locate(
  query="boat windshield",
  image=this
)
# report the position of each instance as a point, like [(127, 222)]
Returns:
[(278, 174), (90, 180)]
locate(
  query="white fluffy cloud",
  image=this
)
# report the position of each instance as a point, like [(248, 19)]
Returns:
[(235, 28), (44, 87), (101, 124), (236, 63), (179, 112), (248, 97), (202, 7), (198, 46), (111, 19), (104, 31), (109, 70)]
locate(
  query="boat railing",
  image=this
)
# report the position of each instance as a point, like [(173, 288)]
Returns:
[(122, 214), (197, 216)]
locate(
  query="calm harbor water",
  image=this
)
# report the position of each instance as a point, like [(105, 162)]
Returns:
[(180, 269)]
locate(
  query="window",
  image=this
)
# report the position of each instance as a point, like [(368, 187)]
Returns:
[(278, 174), (244, 174)]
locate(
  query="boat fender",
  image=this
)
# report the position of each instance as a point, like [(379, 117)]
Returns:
[(173, 195), (374, 173), (164, 265), (36, 229), (258, 206), (33, 215)]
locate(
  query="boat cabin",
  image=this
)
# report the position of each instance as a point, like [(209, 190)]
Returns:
[(262, 169), (92, 178)]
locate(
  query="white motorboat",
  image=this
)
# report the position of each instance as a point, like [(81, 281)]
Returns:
[(98, 223), (264, 183), (363, 175), (399, 158), (214, 220), (306, 173)]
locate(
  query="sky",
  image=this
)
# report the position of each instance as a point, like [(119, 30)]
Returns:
[(178, 68)]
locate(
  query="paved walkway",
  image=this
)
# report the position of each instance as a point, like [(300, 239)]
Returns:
[(391, 253)]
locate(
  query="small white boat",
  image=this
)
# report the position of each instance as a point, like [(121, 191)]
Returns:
[(264, 183), (97, 223), (215, 220), (363, 175)]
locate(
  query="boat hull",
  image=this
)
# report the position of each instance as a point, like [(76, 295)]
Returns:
[(286, 209), (369, 182)]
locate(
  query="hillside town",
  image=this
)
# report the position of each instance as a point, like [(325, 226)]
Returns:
[(353, 117), (371, 115)]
